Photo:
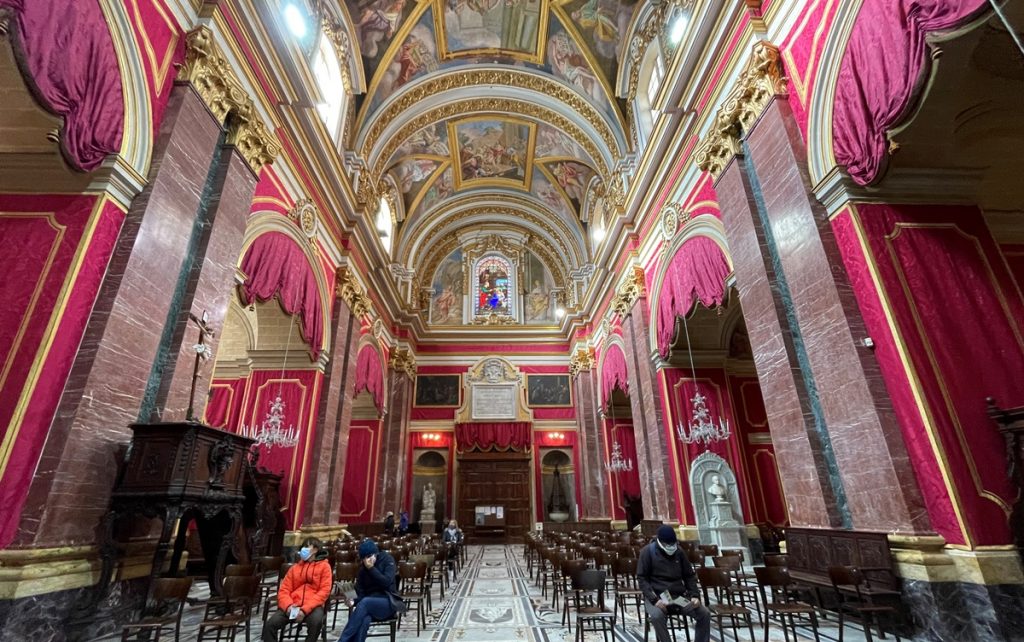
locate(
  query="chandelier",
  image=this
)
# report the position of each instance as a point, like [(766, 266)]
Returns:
[(272, 431), (702, 428), (618, 464)]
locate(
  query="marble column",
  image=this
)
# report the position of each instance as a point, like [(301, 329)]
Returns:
[(395, 426), (652, 442), (109, 377), (846, 390), (595, 500), (334, 416)]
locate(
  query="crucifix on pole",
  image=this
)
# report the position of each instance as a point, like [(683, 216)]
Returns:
[(203, 352)]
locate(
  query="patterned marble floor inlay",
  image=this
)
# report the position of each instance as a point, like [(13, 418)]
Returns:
[(494, 600)]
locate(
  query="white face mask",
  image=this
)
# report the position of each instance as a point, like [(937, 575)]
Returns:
[(670, 549)]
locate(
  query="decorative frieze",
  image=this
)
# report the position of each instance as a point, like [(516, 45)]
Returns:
[(304, 213), (761, 81), (209, 72)]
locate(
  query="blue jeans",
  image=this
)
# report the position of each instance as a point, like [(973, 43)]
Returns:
[(368, 610)]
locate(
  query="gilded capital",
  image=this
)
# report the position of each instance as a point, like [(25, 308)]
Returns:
[(402, 360), (632, 288), (209, 72), (760, 82), (581, 361), (349, 290)]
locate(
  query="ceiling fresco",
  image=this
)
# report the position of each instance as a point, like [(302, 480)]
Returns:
[(491, 101)]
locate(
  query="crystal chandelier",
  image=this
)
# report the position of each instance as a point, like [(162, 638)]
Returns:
[(618, 464), (272, 431), (702, 429)]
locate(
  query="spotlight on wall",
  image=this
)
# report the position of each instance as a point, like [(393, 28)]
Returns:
[(557, 436), (679, 28), (599, 233), (296, 21)]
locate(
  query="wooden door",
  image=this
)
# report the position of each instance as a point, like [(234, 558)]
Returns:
[(495, 479)]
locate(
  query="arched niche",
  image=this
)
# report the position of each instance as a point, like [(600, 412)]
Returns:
[(716, 503), (430, 467), (558, 484)]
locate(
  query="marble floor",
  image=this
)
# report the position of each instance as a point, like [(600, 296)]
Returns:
[(494, 600)]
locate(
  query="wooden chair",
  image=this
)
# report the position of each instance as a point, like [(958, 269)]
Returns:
[(741, 592), (774, 581), (162, 611), (697, 558), (626, 588), (232, 612), (855, 596), (718, 580), (569, 570), (592, 611), (779, 559), (413, 576), (270, 601), (269, 571)]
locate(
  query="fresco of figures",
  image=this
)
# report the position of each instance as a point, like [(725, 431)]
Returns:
[(447, 295), (568, 63), (538, 308), (511, 25), (432, 140), (550, 195), (554, 142), (411, 175), (492, 149), (440, 188), (602, 23), (377, 22), (417, 56), (573, 178)]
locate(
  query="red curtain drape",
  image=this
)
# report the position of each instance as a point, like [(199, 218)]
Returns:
[(360, 471), (68, 53), (275, 265), (613, 373), (370, 375), (509, 435), (624, 482), (884, 68), (697, 273)]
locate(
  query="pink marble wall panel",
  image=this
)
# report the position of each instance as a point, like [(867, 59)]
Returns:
[(592, 450)]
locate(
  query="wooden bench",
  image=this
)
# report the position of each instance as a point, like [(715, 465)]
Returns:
[(811, 551)]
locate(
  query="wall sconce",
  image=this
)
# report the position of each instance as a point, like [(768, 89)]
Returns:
[(431, 436), (557, 436)]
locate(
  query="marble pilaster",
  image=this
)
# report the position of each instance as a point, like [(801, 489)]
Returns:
[(592, 447)]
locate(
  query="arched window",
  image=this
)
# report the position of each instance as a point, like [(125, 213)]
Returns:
[(494, 283), (385, 223), (327, 72), (652, 74)]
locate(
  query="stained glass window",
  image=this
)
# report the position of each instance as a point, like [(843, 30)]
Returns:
[(493, 286)]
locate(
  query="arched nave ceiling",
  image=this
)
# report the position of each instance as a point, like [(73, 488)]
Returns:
[(509, 105)]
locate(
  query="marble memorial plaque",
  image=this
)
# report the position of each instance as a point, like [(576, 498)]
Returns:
[(494, 402)]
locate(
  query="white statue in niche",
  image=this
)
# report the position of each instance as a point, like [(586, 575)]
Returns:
[(429, 498)]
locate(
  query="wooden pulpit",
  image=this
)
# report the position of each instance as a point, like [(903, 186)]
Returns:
[(177, 471)]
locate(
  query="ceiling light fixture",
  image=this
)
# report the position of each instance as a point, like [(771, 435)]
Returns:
[(296, 21)]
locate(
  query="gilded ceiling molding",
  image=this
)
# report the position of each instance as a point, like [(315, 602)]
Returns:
[(349, 290), (493, 77), (525, 108), (515, 209), (632, 289), (305, 215), (338, 35), (581, 361), (759, 83), (209, 72), (402, 360)]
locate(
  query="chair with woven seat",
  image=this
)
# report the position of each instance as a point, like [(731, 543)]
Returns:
[(776, 588), (626, 588), (738, 590), (588, 601), (718, 580), (162, 611), (856, 597), (233, 610)]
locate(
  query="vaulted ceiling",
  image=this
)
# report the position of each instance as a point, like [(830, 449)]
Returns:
[(490, 117)]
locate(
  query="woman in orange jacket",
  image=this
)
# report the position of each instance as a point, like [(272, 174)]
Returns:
[(303, 593)]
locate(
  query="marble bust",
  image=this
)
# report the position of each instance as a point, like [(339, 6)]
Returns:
[(717, 490)]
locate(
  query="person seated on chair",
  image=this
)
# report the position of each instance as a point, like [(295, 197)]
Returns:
[(303, 593), (389, 523), (663, 568), (452, 536), (377, 595)]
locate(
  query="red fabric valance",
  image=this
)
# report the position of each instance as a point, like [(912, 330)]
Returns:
[(883, 70), (509, 435), (697, 273), (69, 55), (613, 373), (370, 375), (275, 265)]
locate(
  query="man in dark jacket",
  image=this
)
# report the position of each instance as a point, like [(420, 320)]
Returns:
[(376, 590), (663, 568)]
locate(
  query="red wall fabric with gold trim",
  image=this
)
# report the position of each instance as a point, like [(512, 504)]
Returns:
[(63, 244), (225, 403), (945, 288), (362, 461), (767, 501), (625, 482)]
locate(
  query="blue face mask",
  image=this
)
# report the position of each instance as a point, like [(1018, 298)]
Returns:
[(305, 552)]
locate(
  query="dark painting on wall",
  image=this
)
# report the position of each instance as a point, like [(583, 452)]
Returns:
[(438, 390), (548, 390)]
